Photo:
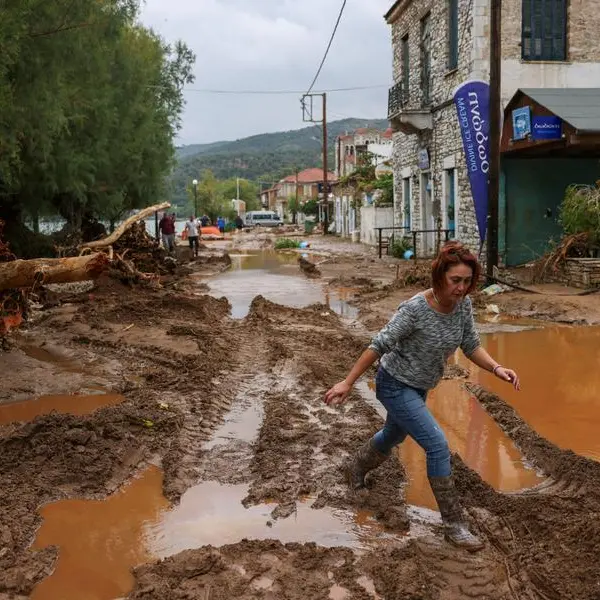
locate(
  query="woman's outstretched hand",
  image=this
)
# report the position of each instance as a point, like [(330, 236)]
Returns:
[(338, 394), (510, 376)]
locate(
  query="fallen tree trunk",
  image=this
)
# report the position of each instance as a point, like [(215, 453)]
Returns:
[(119, 231), (27, 273)]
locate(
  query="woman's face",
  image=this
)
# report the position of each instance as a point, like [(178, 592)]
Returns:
[(457, 281)]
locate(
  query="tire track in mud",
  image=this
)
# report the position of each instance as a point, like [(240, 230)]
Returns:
[(303, 444), (554, 529)]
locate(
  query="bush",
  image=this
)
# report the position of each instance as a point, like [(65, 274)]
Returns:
[(399, 246), (580, 211), (283, 243)]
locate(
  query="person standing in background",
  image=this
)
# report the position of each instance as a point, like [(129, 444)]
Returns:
[(192, 228), (221, 224), (166, 227)]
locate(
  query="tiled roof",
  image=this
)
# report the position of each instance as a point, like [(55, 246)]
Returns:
[(310, 176)]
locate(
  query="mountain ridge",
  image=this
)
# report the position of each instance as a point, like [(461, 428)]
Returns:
[(261, 157)]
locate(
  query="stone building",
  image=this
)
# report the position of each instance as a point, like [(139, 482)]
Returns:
[(440, 44)]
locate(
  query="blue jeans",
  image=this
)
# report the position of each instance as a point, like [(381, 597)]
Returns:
[(408, 415)]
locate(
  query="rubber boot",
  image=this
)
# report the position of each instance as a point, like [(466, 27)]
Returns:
[(366, 459), (456, 530)]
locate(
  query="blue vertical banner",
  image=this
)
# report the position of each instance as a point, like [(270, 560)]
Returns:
[(472, 100)]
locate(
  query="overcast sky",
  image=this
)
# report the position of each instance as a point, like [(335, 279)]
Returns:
[(275, 45)]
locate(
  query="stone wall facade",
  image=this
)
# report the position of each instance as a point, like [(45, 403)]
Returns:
[(443, 142)]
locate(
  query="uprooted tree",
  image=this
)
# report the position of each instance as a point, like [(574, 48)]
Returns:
[(580, 219), (91, 101)]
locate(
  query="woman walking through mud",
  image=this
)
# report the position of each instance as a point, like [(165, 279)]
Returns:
[(413, 349)]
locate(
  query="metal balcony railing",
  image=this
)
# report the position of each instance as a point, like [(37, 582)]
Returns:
[(397, 99)]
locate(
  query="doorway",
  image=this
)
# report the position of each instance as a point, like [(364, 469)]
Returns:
[(427, 217)]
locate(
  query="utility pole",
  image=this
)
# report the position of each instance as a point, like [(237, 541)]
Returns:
[(325, 166), (297, 209), (495, 108), (307, 116)]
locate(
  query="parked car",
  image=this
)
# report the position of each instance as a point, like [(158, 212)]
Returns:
[(264, 218)]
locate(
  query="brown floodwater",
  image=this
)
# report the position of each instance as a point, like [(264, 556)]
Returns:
[(74, 404), (99, 540), (277, 277), (559, 369)]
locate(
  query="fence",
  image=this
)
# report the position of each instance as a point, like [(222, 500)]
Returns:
[(426, 243)]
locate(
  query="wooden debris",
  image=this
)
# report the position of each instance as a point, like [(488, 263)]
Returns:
[(29, 273), (119, 231)]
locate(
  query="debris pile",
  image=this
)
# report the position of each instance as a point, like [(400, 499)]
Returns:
[(138, 257), (13, 303), (571, 246)]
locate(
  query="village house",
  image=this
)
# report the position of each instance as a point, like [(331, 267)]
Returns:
[(437, 46), (305, 185), (349, 148), (351, 145)]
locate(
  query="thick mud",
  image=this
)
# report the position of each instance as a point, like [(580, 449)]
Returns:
[(220, 473)]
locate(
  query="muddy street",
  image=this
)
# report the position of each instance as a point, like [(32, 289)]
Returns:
[(172, 442)]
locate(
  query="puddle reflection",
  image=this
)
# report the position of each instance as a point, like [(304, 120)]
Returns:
[(212, 513), (266, 273)]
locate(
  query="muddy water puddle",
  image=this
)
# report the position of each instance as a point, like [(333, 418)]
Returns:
[(74, 404), (559, 368), (212, 513), (276, 277), (472, 433), (99, 540)]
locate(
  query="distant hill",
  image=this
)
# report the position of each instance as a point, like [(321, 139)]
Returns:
[(267, 156)]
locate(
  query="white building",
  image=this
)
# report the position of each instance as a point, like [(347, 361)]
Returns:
[(363, 142)]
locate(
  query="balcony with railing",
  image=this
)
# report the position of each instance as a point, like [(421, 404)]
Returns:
[(402, 116)]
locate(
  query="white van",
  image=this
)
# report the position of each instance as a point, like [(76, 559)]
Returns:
[(264, 218)]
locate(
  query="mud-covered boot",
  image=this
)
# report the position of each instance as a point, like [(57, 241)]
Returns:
[(456, 529), (366, 459)]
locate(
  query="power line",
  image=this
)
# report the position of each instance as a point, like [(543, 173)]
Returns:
[(281, 92), (328, 47)]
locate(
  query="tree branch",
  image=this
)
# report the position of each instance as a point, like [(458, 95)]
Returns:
[(61, 29)]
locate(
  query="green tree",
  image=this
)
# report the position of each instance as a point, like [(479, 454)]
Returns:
[(90, 102), (293, 205), (248, 191)]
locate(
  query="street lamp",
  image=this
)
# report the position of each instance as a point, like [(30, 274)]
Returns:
[(195, 184)]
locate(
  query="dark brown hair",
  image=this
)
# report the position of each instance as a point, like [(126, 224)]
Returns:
[(454, 253)]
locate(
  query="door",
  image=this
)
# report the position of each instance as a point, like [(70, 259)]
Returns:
[(407, 222), (533, 202), (449, 208), (427, 218)]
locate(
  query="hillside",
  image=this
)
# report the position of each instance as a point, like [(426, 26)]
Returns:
[(265, 157)]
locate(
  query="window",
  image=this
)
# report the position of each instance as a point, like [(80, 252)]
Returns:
[(406, 200), (426, 58), (405, 57), (452, 34), (544, 30)]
